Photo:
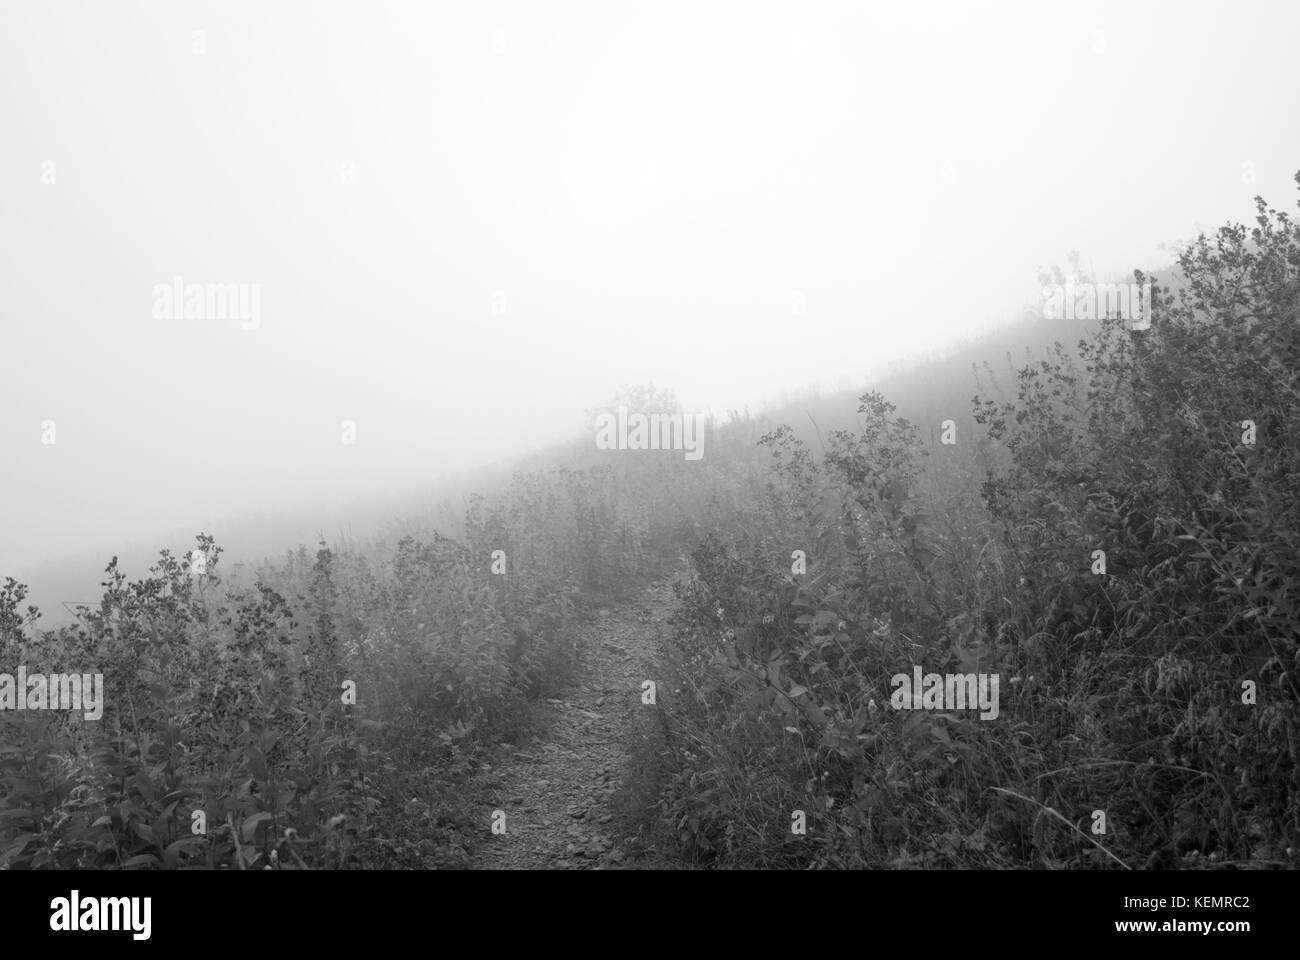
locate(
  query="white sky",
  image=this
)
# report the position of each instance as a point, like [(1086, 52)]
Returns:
[(650, 186)]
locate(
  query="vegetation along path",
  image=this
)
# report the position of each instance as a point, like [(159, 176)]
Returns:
[(556, 793)]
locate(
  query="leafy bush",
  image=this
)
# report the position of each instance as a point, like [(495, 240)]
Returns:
[(1122, 692), (285, 726)]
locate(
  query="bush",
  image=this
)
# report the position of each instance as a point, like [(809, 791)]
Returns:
[(1124, 692)]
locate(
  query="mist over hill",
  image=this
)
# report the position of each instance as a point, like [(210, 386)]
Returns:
[(701, 437), (927, 388)]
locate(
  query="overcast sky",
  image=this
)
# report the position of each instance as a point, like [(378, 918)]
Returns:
[(471, 222)]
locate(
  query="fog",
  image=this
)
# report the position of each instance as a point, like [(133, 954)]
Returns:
[(462, 226)]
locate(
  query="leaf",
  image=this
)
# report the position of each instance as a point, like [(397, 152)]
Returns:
[(796, 692), (171, 856), (249, 827), (815, 714), (141, 860), (6, 816), (145, 786), (16, 848)]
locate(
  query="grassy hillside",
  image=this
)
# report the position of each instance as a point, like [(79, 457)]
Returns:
[(1111, 530)]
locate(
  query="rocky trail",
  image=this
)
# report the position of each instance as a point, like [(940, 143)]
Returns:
[(556, 791)]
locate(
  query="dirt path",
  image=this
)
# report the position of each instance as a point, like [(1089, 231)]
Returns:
[(556, 791)]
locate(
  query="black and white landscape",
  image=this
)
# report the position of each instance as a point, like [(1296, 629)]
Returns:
[(679, 436)]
